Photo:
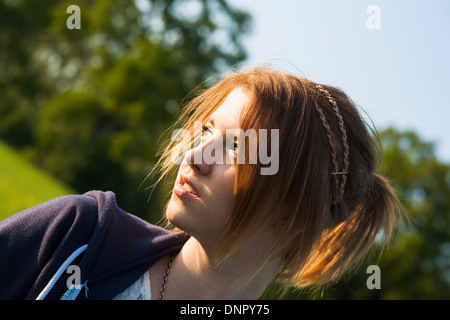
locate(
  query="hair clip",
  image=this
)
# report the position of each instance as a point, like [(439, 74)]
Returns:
[(340, 172)]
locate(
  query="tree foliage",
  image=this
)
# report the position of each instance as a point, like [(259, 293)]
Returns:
[(89, 105)]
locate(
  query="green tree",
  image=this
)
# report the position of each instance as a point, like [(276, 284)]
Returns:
[(419, 266), (23, 26), (89, 105)]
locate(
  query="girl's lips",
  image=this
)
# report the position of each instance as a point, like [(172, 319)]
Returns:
[(182, 193), (185, 188)]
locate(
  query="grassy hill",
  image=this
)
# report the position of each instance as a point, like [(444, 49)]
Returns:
[(22, 185)]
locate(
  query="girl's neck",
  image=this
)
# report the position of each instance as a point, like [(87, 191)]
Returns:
[(193, 276)]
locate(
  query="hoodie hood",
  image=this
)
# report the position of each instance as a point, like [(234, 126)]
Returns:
[(120, 247)]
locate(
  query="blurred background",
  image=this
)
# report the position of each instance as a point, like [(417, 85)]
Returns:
[(84, 109)]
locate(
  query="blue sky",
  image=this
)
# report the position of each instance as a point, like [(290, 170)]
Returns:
[(399, 74)]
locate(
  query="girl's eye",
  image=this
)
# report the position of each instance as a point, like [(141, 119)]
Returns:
[(206, 132)]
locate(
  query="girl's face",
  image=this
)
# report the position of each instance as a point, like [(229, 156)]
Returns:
[(202, 197)]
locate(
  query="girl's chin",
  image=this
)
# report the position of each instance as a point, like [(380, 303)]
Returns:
[(176, 214)]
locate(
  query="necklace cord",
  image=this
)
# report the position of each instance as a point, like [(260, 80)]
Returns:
[(166, 274)]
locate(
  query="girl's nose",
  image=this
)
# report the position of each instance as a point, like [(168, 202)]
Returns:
[(203, 161)]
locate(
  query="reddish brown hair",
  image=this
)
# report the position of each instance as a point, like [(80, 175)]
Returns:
[(340, 215)]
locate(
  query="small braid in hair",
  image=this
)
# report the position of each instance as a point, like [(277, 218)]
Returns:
[(343, 173)]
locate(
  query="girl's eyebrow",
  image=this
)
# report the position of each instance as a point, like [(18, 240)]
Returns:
[(211, 120)]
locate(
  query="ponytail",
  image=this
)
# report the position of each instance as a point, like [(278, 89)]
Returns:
[(379, 208), (345, 243)]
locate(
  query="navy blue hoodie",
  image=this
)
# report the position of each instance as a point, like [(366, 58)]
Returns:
[(36, 242)]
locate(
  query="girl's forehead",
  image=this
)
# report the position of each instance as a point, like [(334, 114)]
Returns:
[(228, 114)]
